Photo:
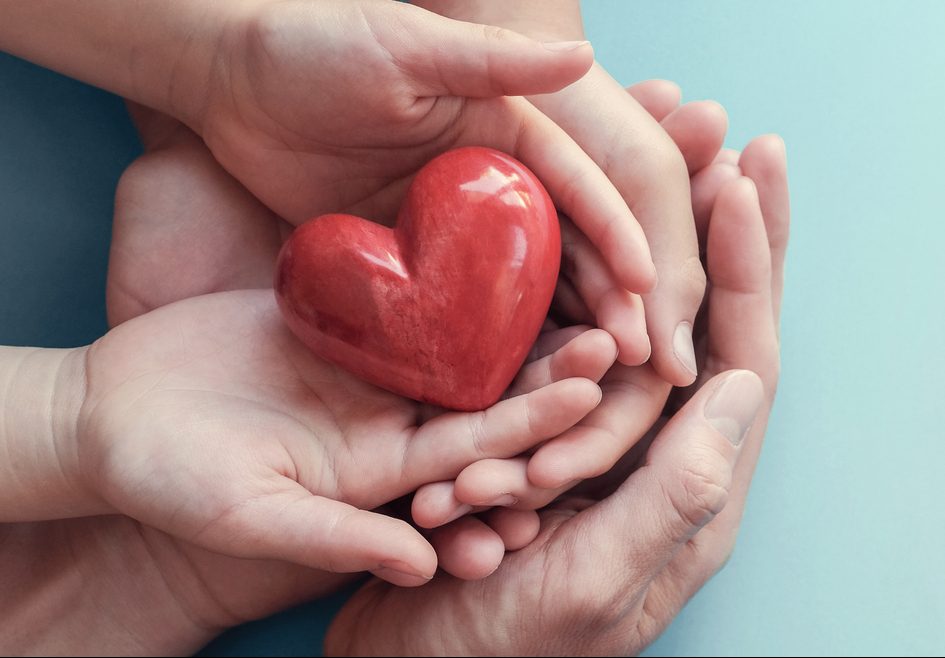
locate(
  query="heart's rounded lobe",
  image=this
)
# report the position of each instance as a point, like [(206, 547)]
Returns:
[(444, 307)]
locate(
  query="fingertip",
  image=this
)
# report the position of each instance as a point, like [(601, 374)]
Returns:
[(727, 157), (774, 142), (768, 151), (716, 109), (553, 467), (638, 274), (401, 574), (635, 353), (570, 61), (411, 563), (740, 191), (599, 349), (658, 97), (583, 392), (674, 371), (436, 504), (516, 528), (469, 549)]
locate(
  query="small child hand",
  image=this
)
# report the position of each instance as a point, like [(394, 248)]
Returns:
[(208, 420)]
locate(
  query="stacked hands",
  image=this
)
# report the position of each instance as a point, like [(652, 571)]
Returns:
[(213, 470)]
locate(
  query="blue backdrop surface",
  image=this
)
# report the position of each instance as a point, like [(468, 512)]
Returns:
[(842, 549)]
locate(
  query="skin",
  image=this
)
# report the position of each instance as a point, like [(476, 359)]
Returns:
[(390, 98), (615, 562), (114, 585), (639, 156), (168, 244)]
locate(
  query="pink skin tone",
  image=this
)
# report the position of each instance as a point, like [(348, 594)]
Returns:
[(652, 534), (148, 231), (640, 159), (616, 558), (243, 81)]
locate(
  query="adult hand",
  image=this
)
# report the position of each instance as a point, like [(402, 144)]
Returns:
[(606, 576)]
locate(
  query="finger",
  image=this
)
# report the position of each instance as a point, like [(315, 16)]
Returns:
[(551, 341), (295, 526), (705, 188), (577, 186), (442, 446), (739, 264), (685, 481), (727, 156), (434, 504), (658, 97), (698, 130), (516, 528), (633, 399), (502, 484), (480, 60), (495, 483), (740, 275), (738, 221), (651, 175), (615, 310), (588, 355), (764, 161), (468, 548)]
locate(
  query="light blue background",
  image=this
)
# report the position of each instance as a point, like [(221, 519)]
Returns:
[(842, 549)]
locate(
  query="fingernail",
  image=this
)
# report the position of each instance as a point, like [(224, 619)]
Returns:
[(682, 347), (734, 405), (401, 573), (563, 46), (505, 500)]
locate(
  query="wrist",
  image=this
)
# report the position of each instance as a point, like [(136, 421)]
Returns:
[(43, 392), (161, 54)]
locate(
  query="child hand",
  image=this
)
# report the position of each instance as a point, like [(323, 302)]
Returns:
[(206, 419)]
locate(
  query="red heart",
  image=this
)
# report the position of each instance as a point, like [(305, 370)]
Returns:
[(444, 307)]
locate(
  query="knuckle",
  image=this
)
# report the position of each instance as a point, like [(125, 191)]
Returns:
[(477, 433), (495, 33), (692, 279), (665, 161), (705, 481)]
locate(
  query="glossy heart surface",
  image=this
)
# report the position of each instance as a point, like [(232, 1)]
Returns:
[(444, 307)]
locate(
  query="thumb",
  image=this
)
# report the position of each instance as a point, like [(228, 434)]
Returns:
[(688, 473), (320, 533), (449, 57)]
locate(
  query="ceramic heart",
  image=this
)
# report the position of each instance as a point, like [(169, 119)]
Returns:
[(444, 307)]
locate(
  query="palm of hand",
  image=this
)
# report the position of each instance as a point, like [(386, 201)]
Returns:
[(305, 144), (206, 419), (244, 406)]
